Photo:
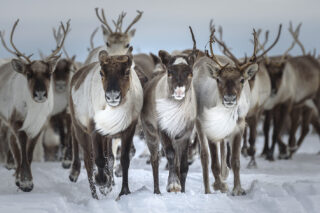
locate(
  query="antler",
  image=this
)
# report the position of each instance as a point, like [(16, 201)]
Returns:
[(134, 20), (295, 36), (211, 40), (91, 39), (119, 22), (226, 51), (103, 19), (58, 36), (59, 46), (194, 49), (15, 51)]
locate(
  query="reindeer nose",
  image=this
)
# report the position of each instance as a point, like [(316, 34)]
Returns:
[(40, 96), (229, 98), (113, 98)]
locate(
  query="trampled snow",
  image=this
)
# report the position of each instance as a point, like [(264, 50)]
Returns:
[(280, 186)]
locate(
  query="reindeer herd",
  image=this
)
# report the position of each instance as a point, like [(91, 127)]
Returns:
[(176, 102)]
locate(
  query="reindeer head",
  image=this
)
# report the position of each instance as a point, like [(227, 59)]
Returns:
[(179, 70), (117, 42), (275, 66), (62, 73), (38, 72), (115, 76), (231, 77)]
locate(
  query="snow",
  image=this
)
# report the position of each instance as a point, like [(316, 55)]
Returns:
[(280, 186)]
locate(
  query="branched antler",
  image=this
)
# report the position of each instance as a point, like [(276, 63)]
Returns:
[(212, 55), (15, 50), (295, 36), (58, 36), (62, 39), (118, 24), (91, 39), (194, 49), (137, 18), (103, 19)]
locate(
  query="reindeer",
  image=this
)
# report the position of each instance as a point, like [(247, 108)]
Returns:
[(26, 99), (223, 101), (295, 82), (60, 120), (117, 42), (113, 99), (168, 115)]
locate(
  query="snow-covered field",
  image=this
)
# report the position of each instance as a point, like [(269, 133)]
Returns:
[(280, 186)]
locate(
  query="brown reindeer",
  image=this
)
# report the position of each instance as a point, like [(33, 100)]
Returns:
[(295, 82), (168, 115), (113, 99), (26, 99), (223, 101)]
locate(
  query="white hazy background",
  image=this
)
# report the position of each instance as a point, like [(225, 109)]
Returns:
[(164, 24)]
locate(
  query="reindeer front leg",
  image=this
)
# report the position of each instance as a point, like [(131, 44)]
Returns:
[(126, 142), (174, 184), (235, 158), (204, 154)]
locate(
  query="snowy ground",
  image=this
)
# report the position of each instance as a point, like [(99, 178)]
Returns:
[(280, 186)]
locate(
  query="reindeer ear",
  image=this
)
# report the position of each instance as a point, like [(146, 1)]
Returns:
[(165, 57), (132, 32), (191, 59), (155, 59), (103, 56), (214, 70), (18, 65), (105, 33), (250, 71), (53, 62)]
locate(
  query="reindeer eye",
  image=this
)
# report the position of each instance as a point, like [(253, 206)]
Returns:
[(242, 81), (101, 74), (108, 45), (127, 46), (127, 73), (48, 75), (169, 74), (218, 81)]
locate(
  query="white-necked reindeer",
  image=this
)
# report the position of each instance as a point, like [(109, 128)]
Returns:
[(26, 101), (223, 101), (105, 102), (168, 115)]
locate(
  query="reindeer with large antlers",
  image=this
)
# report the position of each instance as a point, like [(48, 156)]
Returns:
[(223, 101), (26, 100), (295, 82)]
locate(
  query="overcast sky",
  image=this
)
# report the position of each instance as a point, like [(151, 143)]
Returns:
[(164, 24)]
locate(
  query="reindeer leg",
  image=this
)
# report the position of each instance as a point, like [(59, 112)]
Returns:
[(110, 161), (174, 184), (88, 162), (266, 128), (216, 170), (67, 150), (184, 167), (25, 183), (153, 146), (126, 141), (235, 159), (204, 155), (295, 117), (252, 140), (14, 147), (76, 163), (285, 109), (244, 150), (224, 164), (30, 148), (9, 160)]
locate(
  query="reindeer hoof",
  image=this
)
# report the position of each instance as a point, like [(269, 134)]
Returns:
[(174, 185), (74, 176), (105, 190), (252, 164), (66, 164), (269, 156), (284, 156), (156, 191), (10, 166), (220, 186), (26, 186), (238, 191), (124, 191), (244, 151)]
